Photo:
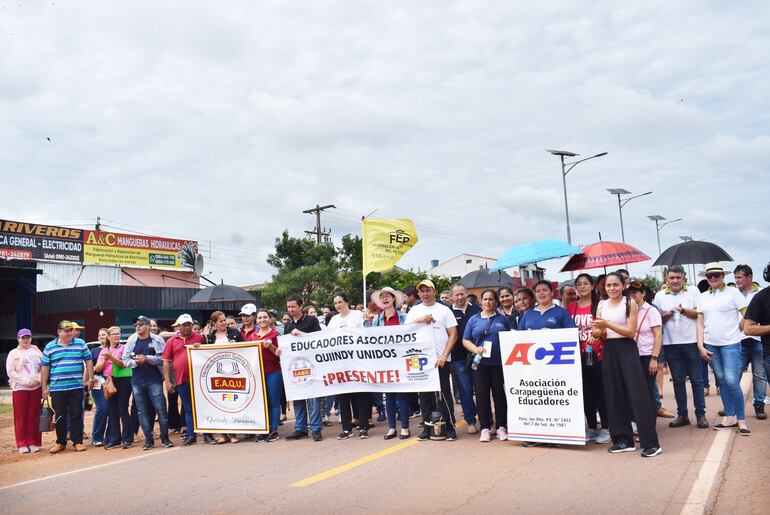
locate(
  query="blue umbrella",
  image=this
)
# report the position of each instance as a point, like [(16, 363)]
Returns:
[(533, 252)]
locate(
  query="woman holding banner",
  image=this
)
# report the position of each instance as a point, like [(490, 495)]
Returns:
[(482, 340), (544, 315), (583, 312), (389, 301), (219, 332), (623, 378), (349, 318)]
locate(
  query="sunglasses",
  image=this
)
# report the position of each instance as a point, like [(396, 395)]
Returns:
[(140, 324), (114, 334), (714, 275)]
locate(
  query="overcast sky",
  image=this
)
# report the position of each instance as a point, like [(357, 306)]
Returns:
[(223, 121)]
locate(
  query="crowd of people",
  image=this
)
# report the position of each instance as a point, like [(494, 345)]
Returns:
[(628, 336)]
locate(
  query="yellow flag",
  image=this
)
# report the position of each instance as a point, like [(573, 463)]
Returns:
[(385, 241)]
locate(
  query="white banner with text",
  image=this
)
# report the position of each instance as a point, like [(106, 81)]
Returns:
[(372, 359), (228, 388), (544, 386)]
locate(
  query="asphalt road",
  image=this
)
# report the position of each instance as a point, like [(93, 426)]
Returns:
[(699, 470)]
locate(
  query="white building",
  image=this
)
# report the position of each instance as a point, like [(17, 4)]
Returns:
[(463, 264)]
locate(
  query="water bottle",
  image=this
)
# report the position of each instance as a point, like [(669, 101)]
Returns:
[(677, 316), (476, 361), (588, 358)]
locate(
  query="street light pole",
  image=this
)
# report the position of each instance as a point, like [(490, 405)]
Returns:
[(565, 169), (623, 202), (658, 226)]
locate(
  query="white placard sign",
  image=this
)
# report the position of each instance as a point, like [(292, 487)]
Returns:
[(544, 386)]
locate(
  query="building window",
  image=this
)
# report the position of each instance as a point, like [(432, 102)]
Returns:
[(468, 261)]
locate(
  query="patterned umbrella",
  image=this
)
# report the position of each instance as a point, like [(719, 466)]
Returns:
[(604, 254)]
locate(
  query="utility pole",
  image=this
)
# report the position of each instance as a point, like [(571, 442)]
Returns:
[(318, 232)]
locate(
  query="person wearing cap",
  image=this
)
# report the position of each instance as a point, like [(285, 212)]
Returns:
[(751, 346), (444, 325), (175, 353), (143, 353), (62, 363), (720, 322), (23, 369), (678, 305), (298, 324), (389, 301)]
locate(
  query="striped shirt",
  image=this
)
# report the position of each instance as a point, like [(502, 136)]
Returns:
[(66, 362)]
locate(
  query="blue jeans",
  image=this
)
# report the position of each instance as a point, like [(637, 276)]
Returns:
[(274, 384), (464, 383), (726, 362), (100, 417), (767, 368), (301, 413), (400, 400), (378, 402), (684, 360), (145, 396), (184, 394), (751, 352)]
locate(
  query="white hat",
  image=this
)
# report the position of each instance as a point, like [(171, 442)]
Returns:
[(183, 319), (397, 294), (714, 266), (248, 309)]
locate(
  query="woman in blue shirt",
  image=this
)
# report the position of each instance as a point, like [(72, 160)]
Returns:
[(545, 314), (481, 338)]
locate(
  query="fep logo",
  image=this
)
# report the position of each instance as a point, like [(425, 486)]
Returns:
[(415, 361), (228, 381), (556, 353), (399, 236)]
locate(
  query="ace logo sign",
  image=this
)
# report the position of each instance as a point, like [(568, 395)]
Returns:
[(228, 389), (544, 386)]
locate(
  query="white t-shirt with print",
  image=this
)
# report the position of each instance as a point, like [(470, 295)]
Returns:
[(443, 318), (354, 318), (722, 312)]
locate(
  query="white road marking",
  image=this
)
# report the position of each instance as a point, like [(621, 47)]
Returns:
[(86, 469), (712, 463)]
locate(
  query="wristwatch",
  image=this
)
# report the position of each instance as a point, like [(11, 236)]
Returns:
[(654, 357)]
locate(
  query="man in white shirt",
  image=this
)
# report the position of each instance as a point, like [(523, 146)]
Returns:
[(679, 305), (445, 336), (751, 346)]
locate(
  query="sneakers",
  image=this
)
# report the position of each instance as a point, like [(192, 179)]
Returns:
[(363, 434), (317, 436), (167, 443), (681, 420), (326, 422), (621, 447), (502, 433), (664, 413), (261, 438), (650, 452), (603, 436), (451, 434), (484, 436), (273, 436), (760, 411), (97, 444), (111, 446), (472, 429), (345, 435), (425, 435), (56, 448), (34, 448), (297, 435), (701, 421), (128, 445), (148, 445), (529, 444), (23, 450), (591, 434), (79, 447), (189, 441)]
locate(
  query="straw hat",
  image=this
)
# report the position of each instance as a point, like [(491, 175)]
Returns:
[(397, 294), (714, 267)]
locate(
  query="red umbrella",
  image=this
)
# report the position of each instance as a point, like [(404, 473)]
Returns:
[(604, 254)]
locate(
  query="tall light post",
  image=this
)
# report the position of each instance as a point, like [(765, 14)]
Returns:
[(689, 238), (565, 169), (658, 226), (623, 202)]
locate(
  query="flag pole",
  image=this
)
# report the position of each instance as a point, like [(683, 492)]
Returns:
[(363, 259)]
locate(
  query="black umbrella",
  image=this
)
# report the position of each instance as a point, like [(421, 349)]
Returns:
[(690, 252), (484, 277), (221, 293)]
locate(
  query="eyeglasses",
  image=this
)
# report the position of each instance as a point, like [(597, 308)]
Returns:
[(714, 275), (113, 334)]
